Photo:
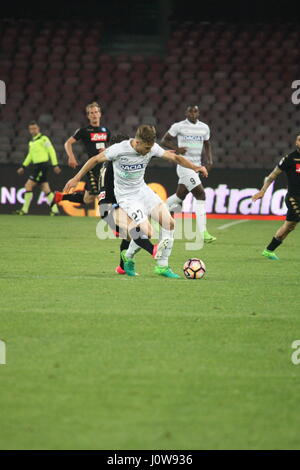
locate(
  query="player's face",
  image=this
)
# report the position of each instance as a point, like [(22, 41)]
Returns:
[(298, 142), (34, 130), (143, 147), (94, 115), (192, 113)]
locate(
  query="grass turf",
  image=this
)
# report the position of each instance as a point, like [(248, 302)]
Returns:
[(101, 361)]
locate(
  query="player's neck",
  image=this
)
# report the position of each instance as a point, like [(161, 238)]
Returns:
[(95, 123)]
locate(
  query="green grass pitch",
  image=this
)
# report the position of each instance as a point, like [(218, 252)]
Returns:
[(101, 361)]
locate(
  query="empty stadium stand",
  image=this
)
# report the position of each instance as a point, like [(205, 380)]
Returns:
[(240, 75)]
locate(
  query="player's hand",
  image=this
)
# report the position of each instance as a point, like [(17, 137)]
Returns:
[(57, 170), (20, 171), (72, 183), (258, 195), (72, 162), (202, 170), (181, 150)]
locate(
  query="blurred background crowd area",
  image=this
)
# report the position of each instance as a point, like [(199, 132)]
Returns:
[(144, 62)]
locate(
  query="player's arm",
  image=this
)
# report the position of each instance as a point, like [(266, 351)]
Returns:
[(182, 161), (100, 158), (208, 155), (72, 162), (52, 155), (169, 141), (267, 182), (26, 162)]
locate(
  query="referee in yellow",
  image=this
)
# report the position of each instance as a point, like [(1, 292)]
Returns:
[(40, 152)]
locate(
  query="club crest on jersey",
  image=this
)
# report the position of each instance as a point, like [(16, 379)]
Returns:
[(101, 195), (135, 167), (98, 136)]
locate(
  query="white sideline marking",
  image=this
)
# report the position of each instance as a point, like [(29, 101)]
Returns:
[(232, 223)]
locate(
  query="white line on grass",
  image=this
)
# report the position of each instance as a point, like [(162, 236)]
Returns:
[(222, 227)]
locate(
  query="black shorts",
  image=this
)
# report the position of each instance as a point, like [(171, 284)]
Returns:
[(39, 172), (106, 184), (92, 178), (293, 206)]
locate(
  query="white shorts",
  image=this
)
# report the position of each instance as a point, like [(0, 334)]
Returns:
[(139, 205), (188, 177)]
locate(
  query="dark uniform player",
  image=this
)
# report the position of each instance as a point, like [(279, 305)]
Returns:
[(95, 137), (290, 164), (107, 201)]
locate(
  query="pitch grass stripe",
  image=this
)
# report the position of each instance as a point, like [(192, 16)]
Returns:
[(222, 227)]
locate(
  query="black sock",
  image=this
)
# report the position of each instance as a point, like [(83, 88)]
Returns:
[(274, 244), (74, 197), (141, 239), (124, 246)]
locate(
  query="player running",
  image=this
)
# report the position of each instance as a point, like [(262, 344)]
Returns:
[(40, 152), (130, 159), (94, 137), (191, 134), (290, 164)]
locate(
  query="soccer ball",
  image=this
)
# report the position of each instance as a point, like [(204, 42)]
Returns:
[(194, 268)]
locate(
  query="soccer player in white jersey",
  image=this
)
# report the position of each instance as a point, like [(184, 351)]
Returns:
[(130, 159), (191, 135)]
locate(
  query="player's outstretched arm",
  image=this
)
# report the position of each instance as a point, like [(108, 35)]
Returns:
[(267, 182), (100, 158), (72, 162), (182, 161), (208, 155)]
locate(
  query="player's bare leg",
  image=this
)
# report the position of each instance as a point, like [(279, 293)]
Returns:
[(88, 198), (280, 235)]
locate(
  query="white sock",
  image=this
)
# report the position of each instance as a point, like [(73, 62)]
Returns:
[(173, 201), (200, 216), (165, 246), (132, 249)]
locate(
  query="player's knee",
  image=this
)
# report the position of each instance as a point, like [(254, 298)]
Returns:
[(171, 224), (88, 198), (28, 186), (200, 195)]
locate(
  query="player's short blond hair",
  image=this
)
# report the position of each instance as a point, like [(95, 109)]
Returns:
[(94, 104), (146, 134)]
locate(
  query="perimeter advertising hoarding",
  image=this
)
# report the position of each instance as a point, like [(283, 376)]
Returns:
[(228, 192)]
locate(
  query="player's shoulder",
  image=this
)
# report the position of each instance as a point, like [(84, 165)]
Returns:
[(179, 123), (293, 154), (203, 124)]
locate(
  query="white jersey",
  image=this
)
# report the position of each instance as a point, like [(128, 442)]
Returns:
[(129, 166), (191, 136)]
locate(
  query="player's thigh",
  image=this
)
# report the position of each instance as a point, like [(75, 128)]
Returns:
[(137, 214), (45, 187), (198, 192), (188, 178), (30, 185), (161, 214), (181, 191)]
